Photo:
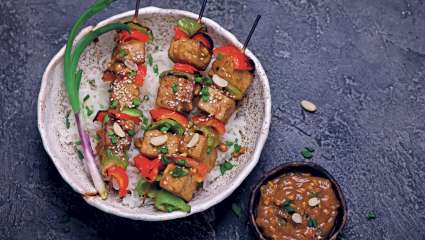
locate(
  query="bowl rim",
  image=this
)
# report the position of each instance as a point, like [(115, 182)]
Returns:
[(302, 166), (262, 137)]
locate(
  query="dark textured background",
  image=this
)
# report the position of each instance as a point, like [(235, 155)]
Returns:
[(361, 61)]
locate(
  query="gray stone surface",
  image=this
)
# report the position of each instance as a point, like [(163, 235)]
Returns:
[(362, 62)]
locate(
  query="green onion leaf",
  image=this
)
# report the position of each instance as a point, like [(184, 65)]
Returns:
[(181, 162), (371, 216), (136, 102), (131, 133), (114, 103), (179, 172), (122, 53), (174, 87), (237, 210), (86, 98), (106, 119), (80, 154), (163, 150), (67, 123), (155, 69), (307, 154), (312, 223), (150, 59), (89, 111)]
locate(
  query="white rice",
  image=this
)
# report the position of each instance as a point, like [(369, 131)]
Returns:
[(100, 101)]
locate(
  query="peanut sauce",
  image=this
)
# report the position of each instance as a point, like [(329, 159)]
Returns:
[(297, 206)]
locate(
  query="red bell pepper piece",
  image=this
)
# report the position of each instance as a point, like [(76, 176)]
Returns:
[(211, 122), (149, 169), (239, 58), (133, 35), (180, 34), (162, 113), (201, 38), (141, 74), (185, 68), (124, 116), (100, 116), (120, 175)]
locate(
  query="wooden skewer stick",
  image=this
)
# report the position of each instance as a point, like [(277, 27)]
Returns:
[(136, 12), (201, 13), (251, 32)]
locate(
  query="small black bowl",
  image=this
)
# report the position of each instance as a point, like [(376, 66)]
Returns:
[(306, 167)]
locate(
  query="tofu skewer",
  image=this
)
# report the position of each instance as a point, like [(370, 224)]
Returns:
[(232, 73), (125, 73)]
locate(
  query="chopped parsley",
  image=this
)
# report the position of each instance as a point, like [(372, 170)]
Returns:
[(136, 102), (122, 53), (174, 87), (67, 123), (86, 98), (78, 142), (181, 162), (131, 133), (110, 133), (179, 172), (237, 210), (114, 103), (226, 166), (312, 223), (287, 206), (205, 95), (371, 216), (155, 69), (150, 59), (307, 153), (163, 150), (219, 57), (89, 111)]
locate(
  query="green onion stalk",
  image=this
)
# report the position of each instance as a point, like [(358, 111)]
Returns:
[(73, 79)]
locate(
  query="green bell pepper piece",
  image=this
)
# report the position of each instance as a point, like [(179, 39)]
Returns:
[(143, 187), (108, 160), (167, 202), (170, 125), (133, 112), (234, 91), (189, 26), (141, 28), (177, 74)]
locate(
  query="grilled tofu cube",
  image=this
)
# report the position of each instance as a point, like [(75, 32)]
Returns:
[(124, 92), (219, 105), (132, 50), (197, 151), (146, 148), (225, 69), (183, 186), (190, 52), (175, 93)]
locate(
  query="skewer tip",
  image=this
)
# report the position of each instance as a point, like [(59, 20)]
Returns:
[(254, 26), (136, 11), (201, 13)]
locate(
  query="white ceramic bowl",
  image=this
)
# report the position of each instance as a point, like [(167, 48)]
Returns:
[(253, 117)]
